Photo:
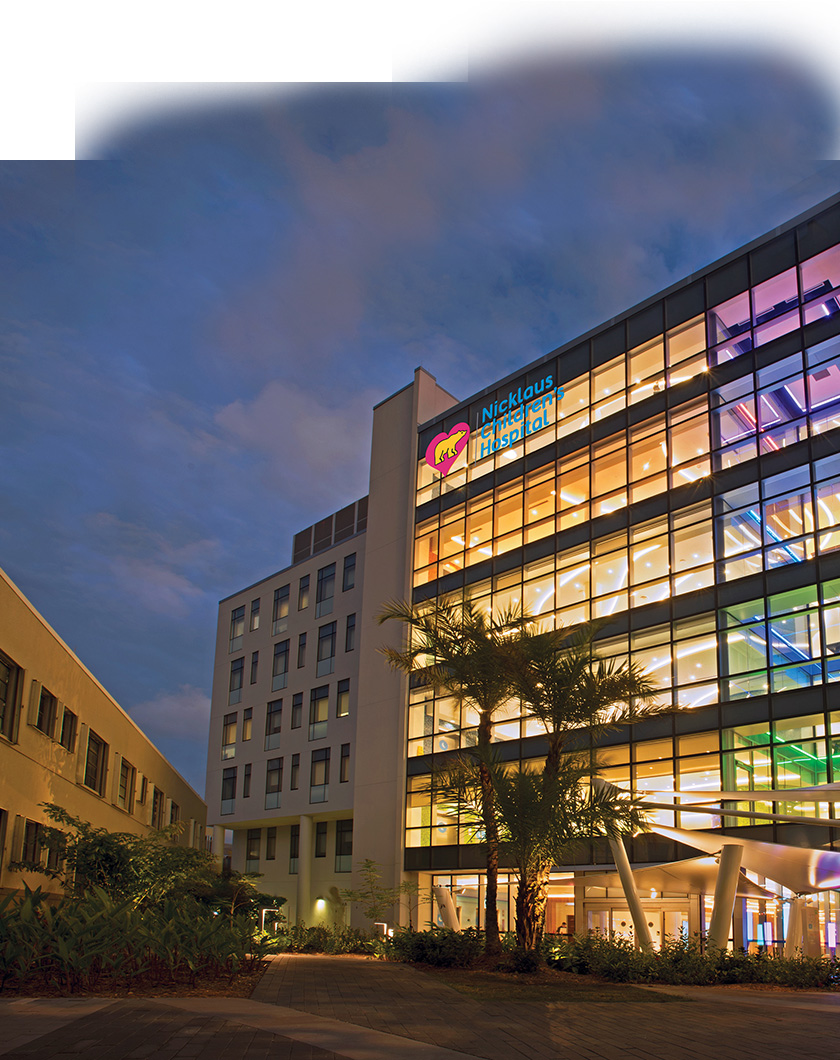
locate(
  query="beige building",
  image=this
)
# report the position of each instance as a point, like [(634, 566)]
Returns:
[(63, 739)]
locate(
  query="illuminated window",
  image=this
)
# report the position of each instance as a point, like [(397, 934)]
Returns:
[(237, 628), (280, 614)]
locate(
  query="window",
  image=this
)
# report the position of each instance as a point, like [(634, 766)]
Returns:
[(273, 783), (342, 703), (228, 790), (273, 720), (128, 779), (297, 709), (144, 791), (343, 846), (350, 633), (326, 650), (301, 650), (237, 668), (344, 765), (280, 670), (96, 763), (318, 712), (246, 782), (349, 579), (229, 736), (157, 808), (294, 775), (255, 661), (47, 711), (174, 813), (237, 628), (270, 844), (253, 839), (303, 593), (247, 723), (319, 775), (325, 591), (69, 721), (255, 615), (9, 683), (294, 848), (280, 617), (321, 839), (32, 849)]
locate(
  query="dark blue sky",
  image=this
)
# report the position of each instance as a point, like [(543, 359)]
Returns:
[(194, 328)]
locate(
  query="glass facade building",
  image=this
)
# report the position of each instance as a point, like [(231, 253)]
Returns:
[(677, 473)]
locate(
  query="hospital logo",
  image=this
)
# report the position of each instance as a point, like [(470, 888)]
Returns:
[(444, 449)]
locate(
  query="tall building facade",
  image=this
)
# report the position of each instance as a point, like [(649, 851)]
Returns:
[(675, 471), (64, 740)]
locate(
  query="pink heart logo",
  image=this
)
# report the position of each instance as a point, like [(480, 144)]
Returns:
[(444, 449)]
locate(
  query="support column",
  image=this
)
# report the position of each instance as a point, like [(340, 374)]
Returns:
[(304, 880), (793, 938), (218, 846), (622, 863), (725, 889)]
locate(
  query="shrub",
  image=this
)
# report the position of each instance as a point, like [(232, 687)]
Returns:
[(440, 947)]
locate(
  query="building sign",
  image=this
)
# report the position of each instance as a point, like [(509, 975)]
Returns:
[(444, 449), (499, 425), (522, 412)]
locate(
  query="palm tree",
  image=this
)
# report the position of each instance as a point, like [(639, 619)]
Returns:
[(577, 696), (462, 651)]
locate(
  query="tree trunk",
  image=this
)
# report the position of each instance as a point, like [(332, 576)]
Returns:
[(531, 898), (492, 939)]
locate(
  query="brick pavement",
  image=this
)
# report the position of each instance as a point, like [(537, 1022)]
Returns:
[(311, 1007)]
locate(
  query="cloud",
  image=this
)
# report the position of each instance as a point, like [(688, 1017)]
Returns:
[(184, 714)]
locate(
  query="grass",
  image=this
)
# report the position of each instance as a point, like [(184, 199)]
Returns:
[(544, 986)]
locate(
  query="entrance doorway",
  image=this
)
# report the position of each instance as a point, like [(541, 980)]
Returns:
[(664, 922)]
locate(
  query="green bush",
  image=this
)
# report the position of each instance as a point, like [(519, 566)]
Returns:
[(298, 938), (683, 962), (440, 947)]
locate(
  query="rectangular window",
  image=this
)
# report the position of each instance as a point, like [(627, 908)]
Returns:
[(237, 669), (255, 661), (144, 791), (303, 593), (270, 844), (301, 651), (229, 736), (157, 808), (321, 839), (69, 723), (47, 712), (350, 633), (247, 723), (344, 765), (32, 849), (294, 775), (294, 848), (280, 616), (96, 763), (319, 775), (228, 790), (326, 650), (349, 579), (343, 846), (246, 782), (237, 628), (128, 779), (318, 712), (255, 615), (280, 669), (273, 783), (9, 684), (253, 839), (273, 719), (342, 704), (297, 709), (325, 591), (174, 813)]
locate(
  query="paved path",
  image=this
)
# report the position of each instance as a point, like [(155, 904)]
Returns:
[(310, 1007)]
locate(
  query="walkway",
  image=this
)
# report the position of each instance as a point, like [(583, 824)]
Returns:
[(348, 1008)]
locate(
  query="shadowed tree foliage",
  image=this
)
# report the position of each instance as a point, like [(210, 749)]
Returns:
[(463, 652)]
